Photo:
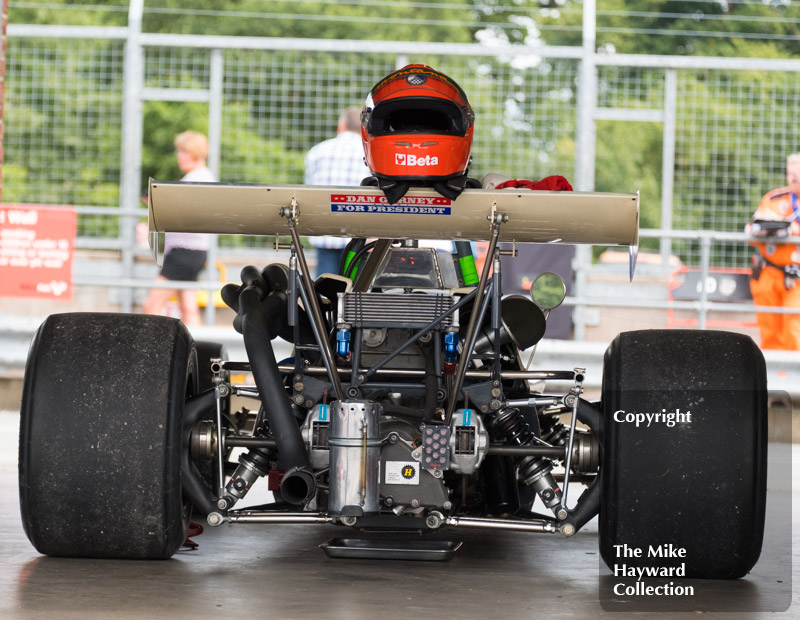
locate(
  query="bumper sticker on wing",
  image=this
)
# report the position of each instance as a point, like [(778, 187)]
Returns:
[(414, 205)]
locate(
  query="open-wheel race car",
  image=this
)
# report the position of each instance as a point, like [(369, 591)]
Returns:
[(408, 402)]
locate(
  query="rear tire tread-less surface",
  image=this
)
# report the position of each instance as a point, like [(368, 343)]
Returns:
[(700, 485), (100, 442)]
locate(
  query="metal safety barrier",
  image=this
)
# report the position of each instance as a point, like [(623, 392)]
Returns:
[(783, 367)]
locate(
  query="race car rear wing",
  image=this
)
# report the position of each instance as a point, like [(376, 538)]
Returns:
[(532, 216)]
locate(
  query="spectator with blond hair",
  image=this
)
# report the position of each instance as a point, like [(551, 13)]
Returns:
[(184, 253)]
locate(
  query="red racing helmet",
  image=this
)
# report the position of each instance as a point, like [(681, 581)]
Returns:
[(417, 126)]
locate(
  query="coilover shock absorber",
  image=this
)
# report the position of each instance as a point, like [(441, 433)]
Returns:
[(509, 425), (586, 447), (552, 431)]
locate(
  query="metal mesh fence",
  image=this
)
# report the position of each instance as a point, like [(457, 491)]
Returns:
[(279, 104), (169, 67), (525, 109), (630, 87), (735, 130), (64, 124)]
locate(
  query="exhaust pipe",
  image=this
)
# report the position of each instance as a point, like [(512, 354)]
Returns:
[(262, 320)]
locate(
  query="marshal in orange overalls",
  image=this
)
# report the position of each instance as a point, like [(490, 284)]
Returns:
[(778, 331)]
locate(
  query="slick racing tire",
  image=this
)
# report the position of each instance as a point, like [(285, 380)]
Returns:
[(100, 441), (697, 483)]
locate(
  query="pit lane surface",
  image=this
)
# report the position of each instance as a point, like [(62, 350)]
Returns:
[(279, 572)]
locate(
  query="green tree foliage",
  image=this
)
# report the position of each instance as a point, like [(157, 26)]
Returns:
[(65, 12), (722, 28), (63, 129), (63, 125), (394, 20)]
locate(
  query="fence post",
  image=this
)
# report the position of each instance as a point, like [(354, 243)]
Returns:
[(215, 87), (130, 174), (668, 159), (585, 153), (705, 259), (3, 25)]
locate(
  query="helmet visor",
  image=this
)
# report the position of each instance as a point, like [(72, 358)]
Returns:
[(418, 115)]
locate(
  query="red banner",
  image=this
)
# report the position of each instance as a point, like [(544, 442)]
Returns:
[(37, 244)]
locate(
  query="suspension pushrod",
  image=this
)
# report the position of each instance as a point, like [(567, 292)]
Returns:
[(310, 298), (472, 327)]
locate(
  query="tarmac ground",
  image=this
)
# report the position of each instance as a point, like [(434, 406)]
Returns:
[(280, 572)]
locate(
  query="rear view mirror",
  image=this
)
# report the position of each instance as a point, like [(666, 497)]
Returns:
[(548, 290)]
